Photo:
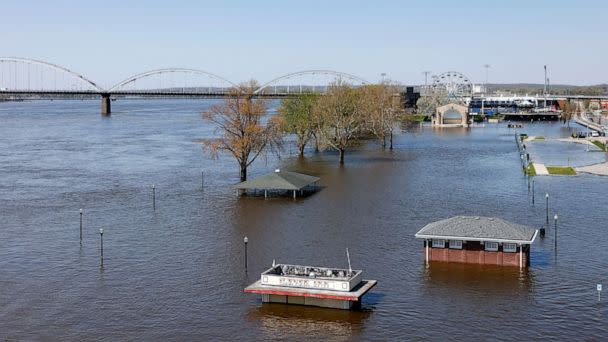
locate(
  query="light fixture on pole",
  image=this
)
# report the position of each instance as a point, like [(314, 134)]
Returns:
[(555, 232), (80, 226), (101, 239), (245, 240)]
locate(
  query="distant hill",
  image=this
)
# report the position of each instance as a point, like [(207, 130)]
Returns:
[(556, 89)]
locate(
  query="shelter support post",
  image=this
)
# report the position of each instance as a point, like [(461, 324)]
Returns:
[(520, 256), (294, 194), (426, 242), (265, 193)]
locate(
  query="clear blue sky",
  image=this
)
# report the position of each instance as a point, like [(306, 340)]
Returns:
[(110, 40)]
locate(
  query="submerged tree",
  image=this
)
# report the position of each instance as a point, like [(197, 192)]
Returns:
[(297, 115), (240, 123), (381, 103), (339, 117)]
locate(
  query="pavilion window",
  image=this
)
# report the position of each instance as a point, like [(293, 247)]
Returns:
[(456, 244), (509, 247), (491, 246), (438, 243)]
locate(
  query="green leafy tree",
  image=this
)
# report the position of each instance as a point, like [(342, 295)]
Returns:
[(339, 117), (297, 115)]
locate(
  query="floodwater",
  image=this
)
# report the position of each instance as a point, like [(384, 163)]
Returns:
[(177, 273)]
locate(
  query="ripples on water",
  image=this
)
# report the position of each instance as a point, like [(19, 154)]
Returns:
[(177, 273)]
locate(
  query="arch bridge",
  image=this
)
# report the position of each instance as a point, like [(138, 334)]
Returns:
[(37, 79)]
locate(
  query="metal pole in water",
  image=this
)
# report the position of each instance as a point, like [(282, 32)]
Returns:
[(555, 233), (202, 179), (80, 226), (547, 208), (245, 240), (532, 191), (350, 270), (101, 239), (153, 197)]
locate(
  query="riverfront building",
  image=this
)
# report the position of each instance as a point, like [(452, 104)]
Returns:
[(451, 115), (477, 240)]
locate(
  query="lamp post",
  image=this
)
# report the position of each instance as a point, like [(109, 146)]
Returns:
[(101, 239), (81, 227), (245, 240), (547, 208), (555, 232), (153, 197), (532, 191)]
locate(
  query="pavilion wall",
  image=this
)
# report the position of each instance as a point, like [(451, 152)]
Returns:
[(473, 253)]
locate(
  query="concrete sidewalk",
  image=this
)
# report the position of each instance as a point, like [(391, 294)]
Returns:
[(541, 169), (596, 169)]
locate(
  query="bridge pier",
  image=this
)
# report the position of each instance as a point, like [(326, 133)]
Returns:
[(106, 106)]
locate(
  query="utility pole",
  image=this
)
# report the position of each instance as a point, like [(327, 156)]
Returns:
[(545, 91), (426, 80), (485, 86)]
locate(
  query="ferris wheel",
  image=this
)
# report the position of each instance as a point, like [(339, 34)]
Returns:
[(452, 85)]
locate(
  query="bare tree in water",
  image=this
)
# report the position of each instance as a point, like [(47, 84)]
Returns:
[(242, 127), (381, 103)]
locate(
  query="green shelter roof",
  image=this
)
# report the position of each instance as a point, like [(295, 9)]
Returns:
[(278, 180)]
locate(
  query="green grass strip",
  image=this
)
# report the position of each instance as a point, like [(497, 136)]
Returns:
[(561, 170), (600, 144), (530, 171)]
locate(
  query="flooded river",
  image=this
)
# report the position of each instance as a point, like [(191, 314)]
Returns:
[(177, 273)]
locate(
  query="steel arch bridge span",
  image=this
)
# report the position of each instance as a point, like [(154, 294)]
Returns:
[(184, 85), (28, 74), (278, 88)]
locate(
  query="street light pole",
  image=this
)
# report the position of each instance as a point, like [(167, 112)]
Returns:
[(533, 191), (547, 207), (101, 239), (81, 227), (245, 240), (555, 233)]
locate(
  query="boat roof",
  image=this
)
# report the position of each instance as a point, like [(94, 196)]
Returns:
[(478, 228)]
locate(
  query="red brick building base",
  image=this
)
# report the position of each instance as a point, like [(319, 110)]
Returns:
[(476, 256)]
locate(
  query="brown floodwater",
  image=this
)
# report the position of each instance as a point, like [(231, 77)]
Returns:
[(177, 273)]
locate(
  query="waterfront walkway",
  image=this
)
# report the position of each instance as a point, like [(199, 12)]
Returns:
[(541, 169), (596, 169)]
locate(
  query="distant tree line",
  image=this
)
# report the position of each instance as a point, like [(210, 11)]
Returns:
[(558, 89), (338, 119)]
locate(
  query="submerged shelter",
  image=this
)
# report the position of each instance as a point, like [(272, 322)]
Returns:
[(477, 240), (279, 181)]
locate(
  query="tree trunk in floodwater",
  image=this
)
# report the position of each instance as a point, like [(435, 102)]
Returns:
[(301, 150), (383, 142), (341, 156), (243, 172), (391, 140)]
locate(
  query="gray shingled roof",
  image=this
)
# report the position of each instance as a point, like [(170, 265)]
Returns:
[(278, 180), (476, 228)]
